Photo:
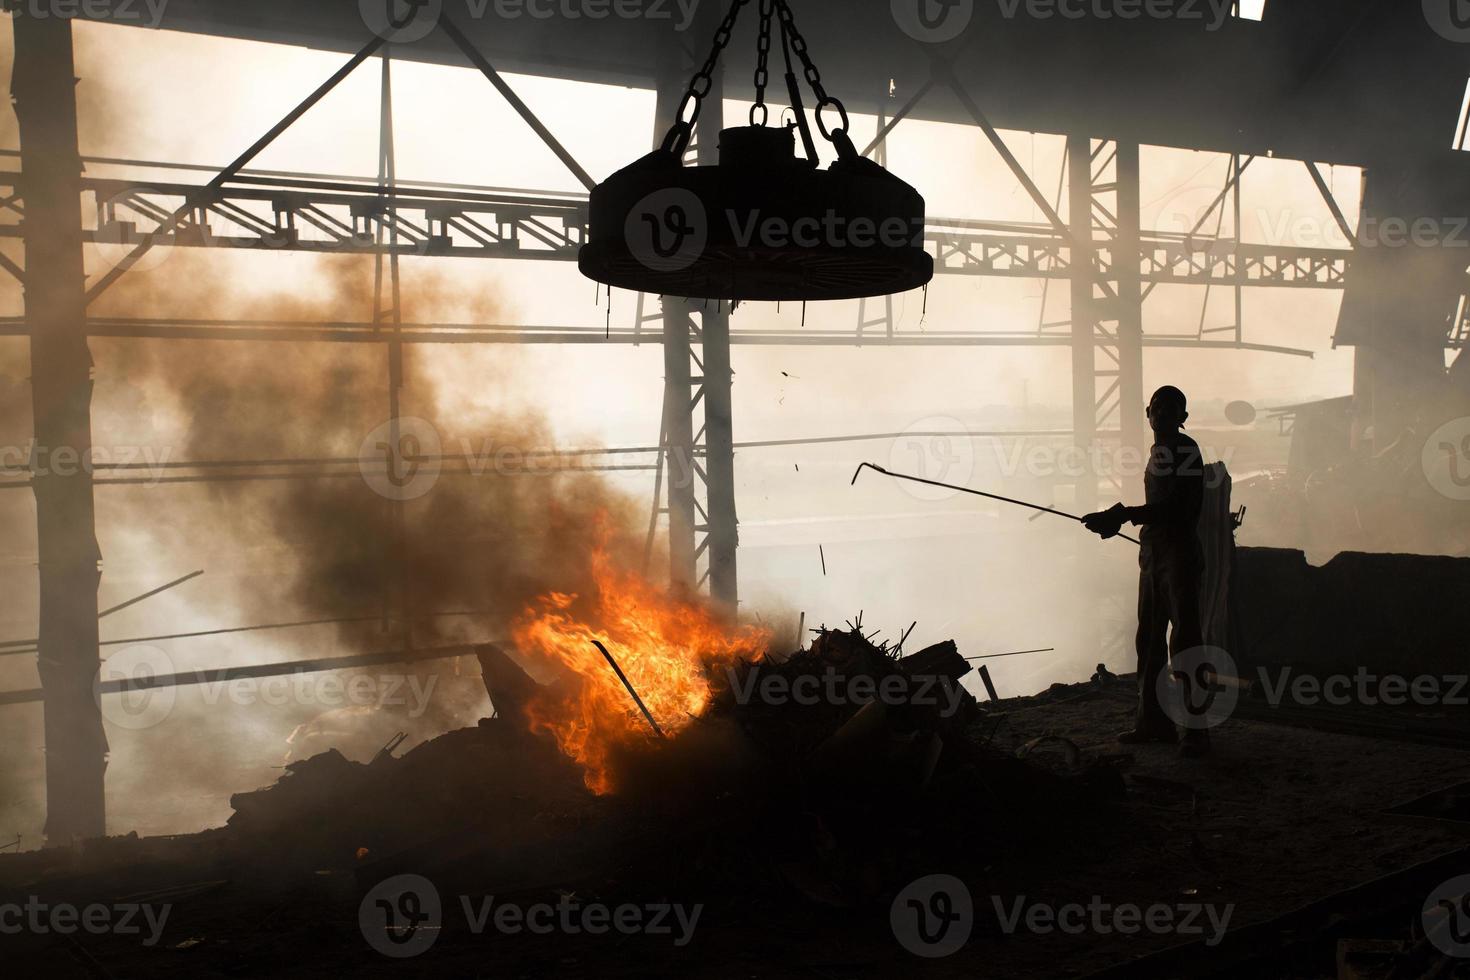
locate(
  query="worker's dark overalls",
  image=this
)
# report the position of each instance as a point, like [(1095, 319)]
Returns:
[(1169, 563)]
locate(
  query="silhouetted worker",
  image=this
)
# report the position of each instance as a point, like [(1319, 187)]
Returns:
[(1169, 564)]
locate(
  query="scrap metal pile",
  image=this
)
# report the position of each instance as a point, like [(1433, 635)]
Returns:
[(834, 772)]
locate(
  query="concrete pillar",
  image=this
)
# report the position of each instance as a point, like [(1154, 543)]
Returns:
[(43, 85)]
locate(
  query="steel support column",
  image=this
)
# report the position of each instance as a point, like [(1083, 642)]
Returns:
[(388, 313), (1107, 301), (718, 444), (719, 453), (678, 418), (44, 87), (698, 455), (679, 464), (1129, 286), (1084, 371)]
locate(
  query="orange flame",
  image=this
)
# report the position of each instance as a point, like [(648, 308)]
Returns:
[(668, 648)]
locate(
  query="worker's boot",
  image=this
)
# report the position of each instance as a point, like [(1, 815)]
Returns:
[(1194, 743)]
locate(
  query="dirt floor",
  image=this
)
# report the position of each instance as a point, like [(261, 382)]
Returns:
[(1276, 819)]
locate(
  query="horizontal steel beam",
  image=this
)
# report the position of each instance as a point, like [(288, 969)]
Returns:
[(331, 216), (365, 333)]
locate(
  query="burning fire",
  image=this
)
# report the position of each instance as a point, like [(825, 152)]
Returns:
[(668, 647)]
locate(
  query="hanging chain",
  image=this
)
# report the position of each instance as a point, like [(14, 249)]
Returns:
[(813, 76), (701, 84), (762, 73)]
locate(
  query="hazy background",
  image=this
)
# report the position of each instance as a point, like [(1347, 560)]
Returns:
[(987, 576)]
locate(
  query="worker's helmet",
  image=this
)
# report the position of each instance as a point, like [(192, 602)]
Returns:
[(1174, 396)]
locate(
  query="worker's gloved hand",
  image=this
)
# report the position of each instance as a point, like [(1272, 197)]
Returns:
[(1106, 523)]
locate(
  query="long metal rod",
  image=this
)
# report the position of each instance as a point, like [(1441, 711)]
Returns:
[(225, 675), (129, 260), (6, 645), (1014, 653), (150, 594), (977, 493), (450, 28), (628, 684), (5, 650), (501, 334)]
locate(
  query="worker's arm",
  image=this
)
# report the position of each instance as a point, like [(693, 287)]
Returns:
[(1180, 494)]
